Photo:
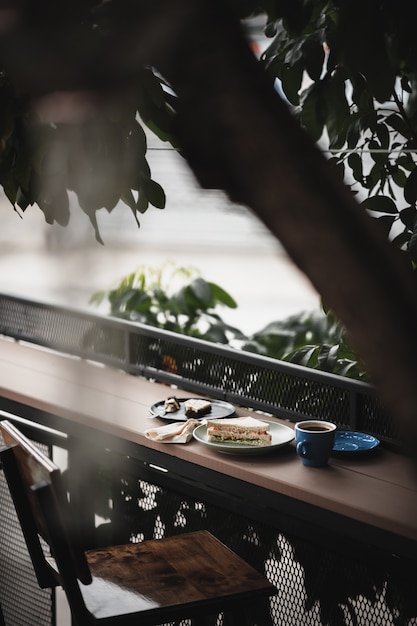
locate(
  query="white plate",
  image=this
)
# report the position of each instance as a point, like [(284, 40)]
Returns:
[(281, 435)]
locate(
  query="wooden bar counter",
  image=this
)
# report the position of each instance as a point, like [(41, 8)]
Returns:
[(372, 496)]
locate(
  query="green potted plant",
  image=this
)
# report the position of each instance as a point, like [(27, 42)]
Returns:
[(174, 298)]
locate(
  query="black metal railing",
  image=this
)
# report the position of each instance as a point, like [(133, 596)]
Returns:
[(276, 387)]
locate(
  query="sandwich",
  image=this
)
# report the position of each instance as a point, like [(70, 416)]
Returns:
[(242, 430)]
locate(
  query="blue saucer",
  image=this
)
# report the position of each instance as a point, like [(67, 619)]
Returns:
[(351, 442)]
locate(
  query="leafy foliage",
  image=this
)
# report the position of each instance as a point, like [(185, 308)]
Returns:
[(175, 299), (180, 300), (348, 69), (309, 338), (103, 160)]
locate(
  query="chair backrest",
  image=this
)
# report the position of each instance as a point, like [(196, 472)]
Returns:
[(42, 506)]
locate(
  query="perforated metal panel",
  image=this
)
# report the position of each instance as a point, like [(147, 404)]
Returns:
[(325, 582), (23, 602)]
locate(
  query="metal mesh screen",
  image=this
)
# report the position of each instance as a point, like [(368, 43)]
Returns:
[(279, 388), (243, 382), (373, 418), (69, 331), (320, 583), (22, 601)]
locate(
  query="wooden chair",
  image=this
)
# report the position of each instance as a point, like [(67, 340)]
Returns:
[(153, 582)]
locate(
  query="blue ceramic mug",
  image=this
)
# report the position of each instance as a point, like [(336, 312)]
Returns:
[(314, 441)]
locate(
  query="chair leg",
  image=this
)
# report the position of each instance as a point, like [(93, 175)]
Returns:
[(255, 615), (235, 618), (261, 614)]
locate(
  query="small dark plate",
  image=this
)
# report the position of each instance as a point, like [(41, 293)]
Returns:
[(219, 409)]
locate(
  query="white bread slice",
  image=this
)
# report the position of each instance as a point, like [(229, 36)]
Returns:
[(241, 430), (238, 423)]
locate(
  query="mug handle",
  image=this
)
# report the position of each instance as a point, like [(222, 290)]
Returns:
[(302, 448)]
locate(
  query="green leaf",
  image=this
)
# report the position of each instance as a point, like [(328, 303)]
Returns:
[(410, 188), (402, 239), (93, 220), (185, 301), (380, 204), (118, 298), (337, 109), (202, 291), (307, 355), (355, 163), (383, 136), (311, 111), (374, 177), (369, 121), (408, 217), (155, 194), (138, 301), (327, 357), (353, 132), (291, 79), (222, 297), (406, 161), (128, 198), (360, 93), (142, 203), (215, 333), (397, 123), (313, 54), (22, 200), (377, 156), (398, 176)]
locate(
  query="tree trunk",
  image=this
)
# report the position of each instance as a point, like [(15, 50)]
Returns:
[(238, 135)]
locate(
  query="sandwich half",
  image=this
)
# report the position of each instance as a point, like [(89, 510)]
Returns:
[(242, 430)]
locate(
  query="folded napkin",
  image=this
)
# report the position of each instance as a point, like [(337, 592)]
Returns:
[(179, 432)]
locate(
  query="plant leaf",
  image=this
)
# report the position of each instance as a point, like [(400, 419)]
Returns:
[(202, 291), (410, 188), (381, 204), (223, 297)]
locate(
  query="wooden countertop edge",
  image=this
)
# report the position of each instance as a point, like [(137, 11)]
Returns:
[(340, 488)]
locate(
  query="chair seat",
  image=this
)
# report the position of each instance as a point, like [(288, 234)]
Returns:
[(172, 576)]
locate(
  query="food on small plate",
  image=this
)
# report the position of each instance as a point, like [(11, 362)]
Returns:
[(171, 405), (241, 430), (196, 407)]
